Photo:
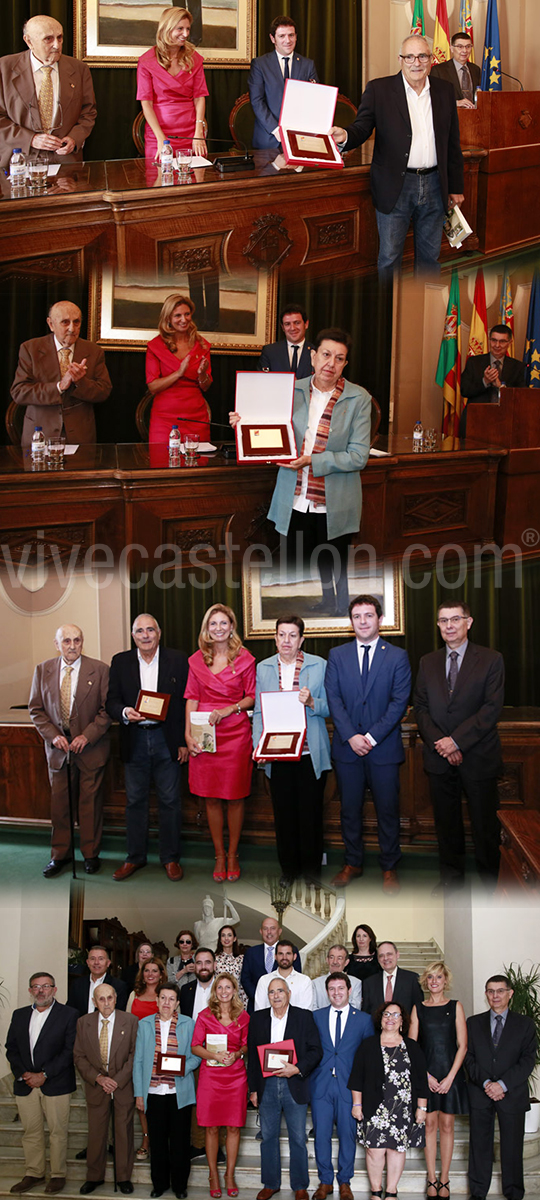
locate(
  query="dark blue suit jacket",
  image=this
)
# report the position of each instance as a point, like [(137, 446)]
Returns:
[(378, 711), (266, 85), (359, 1026), (253, 968), (53, 1051), (275, 357)]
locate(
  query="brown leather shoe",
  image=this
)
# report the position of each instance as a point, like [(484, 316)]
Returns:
[(265, 1193), (301, 1194), (347, 873), (173, 871), (126, 870), (28, 1182), (323, 1190), (55, 1184), (345, 1192), (390, 883)]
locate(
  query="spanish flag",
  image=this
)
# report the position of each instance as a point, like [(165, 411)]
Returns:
[(441, 37), (449, 365), (478, 333)]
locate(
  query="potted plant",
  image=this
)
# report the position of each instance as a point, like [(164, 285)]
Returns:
[(526, 1000)]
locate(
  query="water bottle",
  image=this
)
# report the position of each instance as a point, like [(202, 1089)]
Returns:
[(167, 162), (38, 444), (417, 436), (174, 445), (17, 168)]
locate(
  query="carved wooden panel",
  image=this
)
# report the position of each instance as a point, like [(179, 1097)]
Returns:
[(269, 242), (48, 546), (181, 256), (332, 238), (428, 511)]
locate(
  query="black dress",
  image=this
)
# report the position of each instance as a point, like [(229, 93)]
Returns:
[(392, 1126), (362, 968), (437, 1037)]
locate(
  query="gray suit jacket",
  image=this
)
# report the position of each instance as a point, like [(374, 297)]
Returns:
[(88, 714), (19, 112), (34, 386)]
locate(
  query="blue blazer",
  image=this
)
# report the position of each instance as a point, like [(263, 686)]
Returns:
[(346, 453), (378, 711), (359, 1026), (266, 85), (144, 1059), (311, 676), (253, 968), (275, 357)]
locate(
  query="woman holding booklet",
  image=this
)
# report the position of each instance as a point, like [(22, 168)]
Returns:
[(220, 1039), (220, 689)]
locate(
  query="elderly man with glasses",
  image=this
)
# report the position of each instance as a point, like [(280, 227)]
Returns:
[(458, 700), (417, 165), (39, 1049)]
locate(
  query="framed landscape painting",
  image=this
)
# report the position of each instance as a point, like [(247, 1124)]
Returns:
[(114, 33)]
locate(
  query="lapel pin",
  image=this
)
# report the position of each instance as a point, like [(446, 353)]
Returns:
[(72, 85)]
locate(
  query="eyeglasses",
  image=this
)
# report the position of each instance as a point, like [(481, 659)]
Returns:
[(42, 987), (450, 620), (493, 994), (184, 942), (390, 1016), (410, 59)]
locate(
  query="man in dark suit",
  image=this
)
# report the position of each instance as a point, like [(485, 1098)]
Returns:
[(266, 81), (368, 682), (500, 1057), (103, 1055), (81, 995), (261, 960), (341, 1029), (484, 374), (150, 749), (39, 1049), (391, 983), (59, 378), (417, 165), (47, 100), (194, 995), (293, 354), (458, 700), (286, 1090), (67, 706), (464, 76)]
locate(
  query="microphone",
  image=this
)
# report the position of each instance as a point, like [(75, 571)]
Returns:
[(515, 78), (233, 162)]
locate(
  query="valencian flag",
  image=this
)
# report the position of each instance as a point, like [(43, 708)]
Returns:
[(531, 358), (491, 62), (506, 309), (478, 333), (449, 365), (441, 37), (418, 25), (465, 22)]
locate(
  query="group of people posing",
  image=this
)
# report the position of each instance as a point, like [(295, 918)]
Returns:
[(376, 1052), (364, 688)]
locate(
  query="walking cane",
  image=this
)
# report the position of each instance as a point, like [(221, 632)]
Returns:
[(113, 1135), (71, 817)]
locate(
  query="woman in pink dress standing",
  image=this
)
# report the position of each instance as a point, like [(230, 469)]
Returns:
[(172, 88), (221, 681), (178, 373), (222, 1089)]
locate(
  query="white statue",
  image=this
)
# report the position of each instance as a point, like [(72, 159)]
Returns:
[(207, 930)]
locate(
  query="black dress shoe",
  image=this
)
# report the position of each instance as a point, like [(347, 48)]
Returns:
[(180, 1195), (91, 865), (81, 1154), (90, 1186), (55, 866), (197, 1152), (153, 1193), (126, 1187)]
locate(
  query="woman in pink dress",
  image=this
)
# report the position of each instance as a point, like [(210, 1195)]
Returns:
[(142, 1002), (221, 681), (222, 1089), (172, 88), (178, 373)]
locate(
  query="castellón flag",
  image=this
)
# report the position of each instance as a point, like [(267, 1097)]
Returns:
[(465, 22), (418, 25), (441, 37), (449, 365), (478, 337), (531, 357), (491, 61), (506, 309)]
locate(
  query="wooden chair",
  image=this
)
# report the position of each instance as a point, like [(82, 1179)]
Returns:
[(242, 120), (142, 416), (137, 132), (375, 420), (14, 420)]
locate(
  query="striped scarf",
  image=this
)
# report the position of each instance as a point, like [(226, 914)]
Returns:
[(315, 487), (297, 669), (172, 1048)]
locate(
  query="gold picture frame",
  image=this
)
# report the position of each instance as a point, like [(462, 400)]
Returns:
[(111, 34), (268, 591), (246, 308)]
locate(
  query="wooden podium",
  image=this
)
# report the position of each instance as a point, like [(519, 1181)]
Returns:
[(513, 423), (507, 125)]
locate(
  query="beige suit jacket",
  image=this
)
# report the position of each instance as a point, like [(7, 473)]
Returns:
[(19, 112), (88, 1062), (88, 714), (34, 386)]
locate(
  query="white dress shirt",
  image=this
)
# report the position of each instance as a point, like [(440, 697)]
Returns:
[(91, 1005), (37, 1021), (202, 996), (73, 679), (423, 152), (148, 675), (332, 1021), (300, 987), (291, 346), (277, 1027), (317, 405)]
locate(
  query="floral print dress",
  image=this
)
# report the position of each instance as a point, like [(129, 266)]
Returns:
[(392, 1126)]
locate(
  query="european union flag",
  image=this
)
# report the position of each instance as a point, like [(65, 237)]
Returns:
[(531, 358), (491, 62)]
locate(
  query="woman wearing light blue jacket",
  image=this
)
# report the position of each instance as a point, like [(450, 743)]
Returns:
[(297, 787), (166, 1098)]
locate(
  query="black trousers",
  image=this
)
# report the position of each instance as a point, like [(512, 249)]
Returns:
[(511, 1130), (169, 1129), (483, 802), (297, 798), (308, 534)]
